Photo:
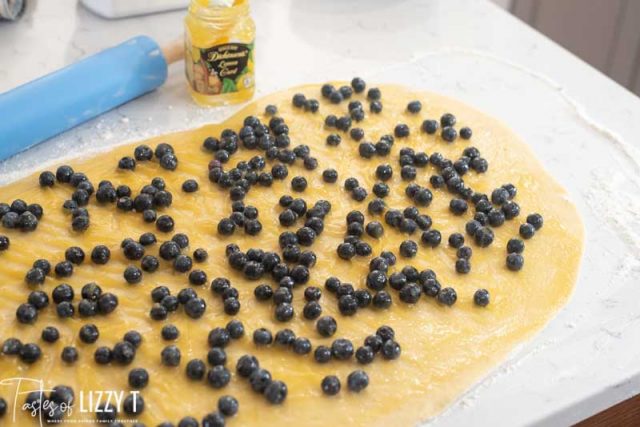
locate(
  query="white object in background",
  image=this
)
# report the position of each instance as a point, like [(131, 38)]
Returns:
[(11, 9), (124, 8), (224, 3)]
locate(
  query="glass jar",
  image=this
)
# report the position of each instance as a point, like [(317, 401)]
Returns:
[(219, 52)]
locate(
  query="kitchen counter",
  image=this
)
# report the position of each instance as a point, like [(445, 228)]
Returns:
[(582, 125)]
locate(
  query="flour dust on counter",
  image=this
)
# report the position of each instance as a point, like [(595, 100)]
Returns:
[(331, 254)]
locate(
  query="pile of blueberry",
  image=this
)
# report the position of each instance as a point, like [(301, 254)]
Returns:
[(281, 272), (143, 153), (20, 215)]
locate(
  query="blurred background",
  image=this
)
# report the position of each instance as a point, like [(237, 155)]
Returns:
[(604, 33)]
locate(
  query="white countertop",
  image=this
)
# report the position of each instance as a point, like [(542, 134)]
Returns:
[(583, 126)]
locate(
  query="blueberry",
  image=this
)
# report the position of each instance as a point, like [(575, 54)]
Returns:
[(262, 336), (170, 332), (123, 352), (382, 299), (414, 107), (464, 252), (365, 355), (449, 134), (401, 131), (342, 349), (511, 210), (515, 246), (527, 230), (10, 220), (348, 305), (336, 97), (386, 333), (134, 338), (11, 347), (35, 276), (346, 251), (216, 356), (495, 217), (326, 326), (107, 303), (484, 236), (195, 308), (374, 343), (165, 223), (301, 345), (458, 206), (374, 94), (515, 261), (423, 197), (447, 296), (27, 313), (390, 350), (330, 385), (375, 107), (133, 404), (259, 380), (39, 299), (472, 227), (183, 263), (213, 419), (4, 243), (231, 306), (195, 369), (357, 381), (228, 406), (499, 196), (170, 356), (456, 240), (285, 337), (298, 100), (408, 249), (375, 229), (284, 312), (463, 265), (481, 297), (380, 189), (47, 179), (143, 153), (312, 310), (410, 293), (50, 334), (356, 134), (246, 365), (30, 353), (511, 189), (69, 354), (133, 275), (366, 150), (271, 110), (535, 220), (149, 215), (138, 378), (276, 392), (189, 421), (89, 333), (465, 133), (127, 163)]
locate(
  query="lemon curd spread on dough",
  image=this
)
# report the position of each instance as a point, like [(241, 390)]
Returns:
[(330, 255)]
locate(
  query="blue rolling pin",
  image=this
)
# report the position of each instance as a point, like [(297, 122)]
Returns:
[(36, 111)]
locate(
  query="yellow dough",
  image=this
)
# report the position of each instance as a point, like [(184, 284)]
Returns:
[(445, 350)]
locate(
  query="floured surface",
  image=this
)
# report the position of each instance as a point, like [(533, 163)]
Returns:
[(445, 350)]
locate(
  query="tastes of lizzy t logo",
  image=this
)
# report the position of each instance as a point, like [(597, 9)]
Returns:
[(57, 405)]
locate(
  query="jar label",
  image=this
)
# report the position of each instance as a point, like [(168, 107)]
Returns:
[(220, 69)]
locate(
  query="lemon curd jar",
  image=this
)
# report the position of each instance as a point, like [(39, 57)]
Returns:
[(219, 51)]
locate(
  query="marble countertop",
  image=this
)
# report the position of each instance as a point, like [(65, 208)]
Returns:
[(582, 125)]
